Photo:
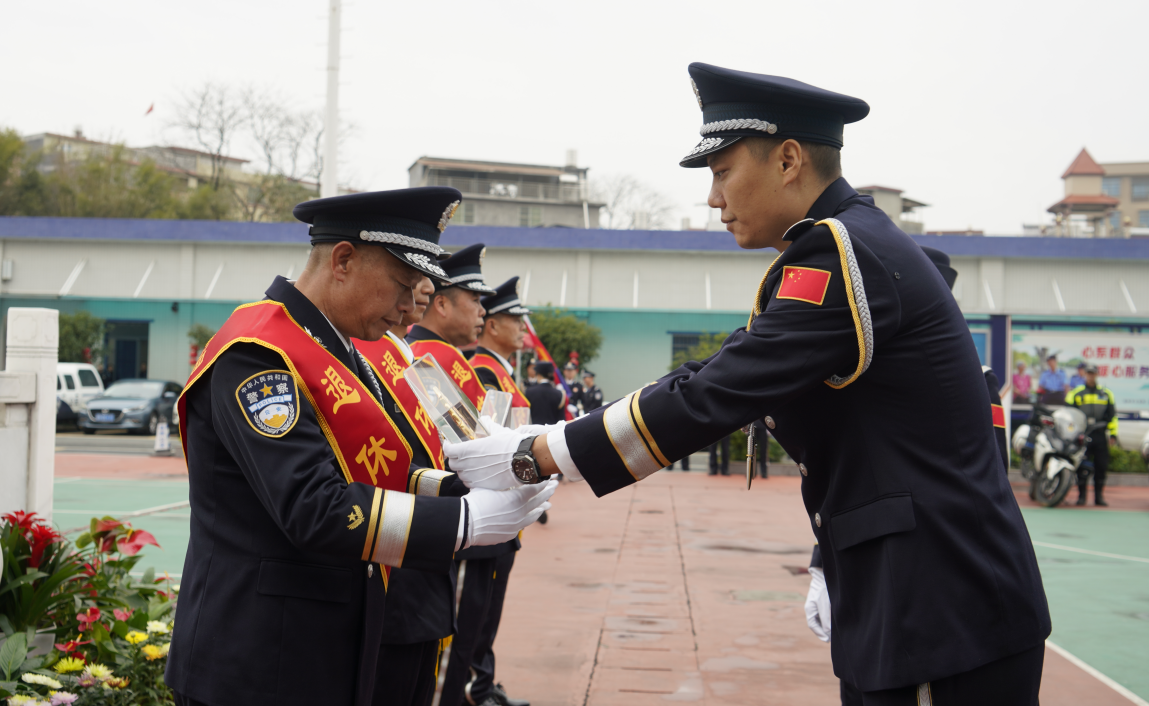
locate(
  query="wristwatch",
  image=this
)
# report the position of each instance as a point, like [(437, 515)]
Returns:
[(523, 463)]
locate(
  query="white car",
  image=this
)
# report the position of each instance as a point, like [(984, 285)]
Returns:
[(76, 383)]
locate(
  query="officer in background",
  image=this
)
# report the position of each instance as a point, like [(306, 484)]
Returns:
[(504, 330), (933, 582), (547, 402), (1097, 404), (591, 394), (570, 374), (297, 472)]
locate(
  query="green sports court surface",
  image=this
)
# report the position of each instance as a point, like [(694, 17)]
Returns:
[(1095, 565)]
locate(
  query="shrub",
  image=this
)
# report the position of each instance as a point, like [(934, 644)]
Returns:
[(1125, 461)]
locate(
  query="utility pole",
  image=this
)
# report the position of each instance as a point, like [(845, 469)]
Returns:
[(329, 185)]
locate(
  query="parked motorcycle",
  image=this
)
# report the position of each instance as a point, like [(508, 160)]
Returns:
[(1052, 447)]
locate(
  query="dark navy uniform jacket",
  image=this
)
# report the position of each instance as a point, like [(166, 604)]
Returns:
[(930, 568), (546, 403), (277, 604), (591, 399)]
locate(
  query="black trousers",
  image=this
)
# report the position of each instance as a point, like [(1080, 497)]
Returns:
[(1098, 450), (406, 674), (724, 443), (1010, 681), (471, 668)]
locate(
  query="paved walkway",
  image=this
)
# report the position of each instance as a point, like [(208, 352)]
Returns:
[(689, 588)]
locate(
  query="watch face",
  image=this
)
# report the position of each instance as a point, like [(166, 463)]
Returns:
[(523, 468)]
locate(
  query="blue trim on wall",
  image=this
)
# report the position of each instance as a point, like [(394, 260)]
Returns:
[(27, 228)]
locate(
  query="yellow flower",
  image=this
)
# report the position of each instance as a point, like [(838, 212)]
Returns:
[(158, 626), (164, 648), (117, 683), (69, 664), (153, 652), (136, 637), (99, 671), (42, 680)]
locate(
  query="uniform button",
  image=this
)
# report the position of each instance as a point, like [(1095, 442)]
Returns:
[(802, 468), (370, 570), (817, 519), (769, 422)]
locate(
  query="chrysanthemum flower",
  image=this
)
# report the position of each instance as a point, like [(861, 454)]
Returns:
[(69, 664), (63, 698), (136, 637), (158, 626), (117, 683), (152, 652), (42, 680), (99, 671)]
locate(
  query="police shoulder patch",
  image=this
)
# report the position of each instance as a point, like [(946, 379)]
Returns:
[(270, 402)]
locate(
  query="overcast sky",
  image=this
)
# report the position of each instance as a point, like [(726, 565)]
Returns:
[(976, 107)]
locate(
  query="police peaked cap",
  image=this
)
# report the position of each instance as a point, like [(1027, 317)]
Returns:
[(737, 104), (544, 369), (942, 262), (505, 300), (464, 270), (408, 222)]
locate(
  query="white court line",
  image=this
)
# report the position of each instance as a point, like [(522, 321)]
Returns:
[(137, 513), (1089, 551), (1096, 674)]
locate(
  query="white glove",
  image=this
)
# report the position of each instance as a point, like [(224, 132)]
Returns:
[(496, 516), (486, 463), (818, 605)]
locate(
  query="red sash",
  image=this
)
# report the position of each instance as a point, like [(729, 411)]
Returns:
[(367, 445), (506, 382), (388, 363), (452, 361)]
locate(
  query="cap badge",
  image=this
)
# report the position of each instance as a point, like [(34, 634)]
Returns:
[(697, 95), (482, 254), (447, 215)]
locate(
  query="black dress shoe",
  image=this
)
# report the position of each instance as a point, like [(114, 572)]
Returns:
[(1080, 500), (500, 696), (543, 518)]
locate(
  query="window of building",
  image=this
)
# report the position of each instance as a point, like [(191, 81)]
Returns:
[(465, 215), (1143, 219), (682, 343), (1111, 186), (1140, 189), (530, 216)]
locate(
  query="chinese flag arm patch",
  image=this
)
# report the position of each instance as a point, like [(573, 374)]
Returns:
[(998, 416), (805, 284)]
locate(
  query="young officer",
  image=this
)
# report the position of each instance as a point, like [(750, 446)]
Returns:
[(298, 472), (933, 581), (1097, 404)]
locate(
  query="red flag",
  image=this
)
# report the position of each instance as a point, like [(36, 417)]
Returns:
[(541, 352), (150, 109), (804, 284)]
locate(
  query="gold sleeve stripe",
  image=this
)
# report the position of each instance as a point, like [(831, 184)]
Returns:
[(647, 437), (376, 501), (394, 528), (627, 440), (428, 481), (413, 480), (859, 306)]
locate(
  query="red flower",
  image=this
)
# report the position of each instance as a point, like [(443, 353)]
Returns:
[(87, 618), (71, 645), (78, 655), (23, 520), (41, 538), (89, 570), (107, 525), (122, 614), (135, 541)]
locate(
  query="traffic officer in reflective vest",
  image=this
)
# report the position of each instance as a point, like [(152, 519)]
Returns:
[(1097, 404), (933, 581), (299, 474)]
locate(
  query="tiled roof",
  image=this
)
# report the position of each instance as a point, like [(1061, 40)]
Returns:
[(1093, 202), (1084, 165)]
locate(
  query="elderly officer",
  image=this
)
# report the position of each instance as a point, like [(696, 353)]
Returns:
[(298, 471), (934, 586)]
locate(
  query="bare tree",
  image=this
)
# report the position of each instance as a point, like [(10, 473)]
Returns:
[(629, 204), (211, 115)]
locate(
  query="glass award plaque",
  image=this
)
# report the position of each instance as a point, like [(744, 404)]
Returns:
[(451, 411), (496, 406), (520, 417)]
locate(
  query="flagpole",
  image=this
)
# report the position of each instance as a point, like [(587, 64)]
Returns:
[(329, 181)]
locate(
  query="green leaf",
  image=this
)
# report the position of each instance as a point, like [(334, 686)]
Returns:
[(31, 577), (12, 654), (5, 625), (149, 576), (120, 628), (139, 619), (84, 539), (7, 688), (158, 608), (32, 664)]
